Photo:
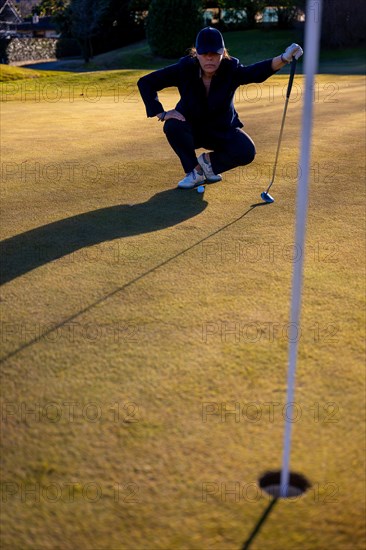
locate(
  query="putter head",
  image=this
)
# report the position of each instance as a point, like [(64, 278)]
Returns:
[(266, 197)]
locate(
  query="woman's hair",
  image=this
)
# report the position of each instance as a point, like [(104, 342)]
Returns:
[(193, 53)]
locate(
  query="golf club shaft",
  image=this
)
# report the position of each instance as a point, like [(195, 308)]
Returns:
[(289, 88)]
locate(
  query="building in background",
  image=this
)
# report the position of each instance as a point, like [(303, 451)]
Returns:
[(9, 19), (39, 27)]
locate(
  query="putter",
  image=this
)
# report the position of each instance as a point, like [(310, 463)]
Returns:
[(265, 195)]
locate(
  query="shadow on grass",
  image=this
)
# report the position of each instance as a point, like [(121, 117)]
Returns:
[(259, 524), (32, 249), (192, 202)]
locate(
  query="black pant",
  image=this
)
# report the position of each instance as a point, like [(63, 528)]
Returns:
[(231, 147)]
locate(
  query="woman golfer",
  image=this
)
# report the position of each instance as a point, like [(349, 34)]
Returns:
[(205, 115)]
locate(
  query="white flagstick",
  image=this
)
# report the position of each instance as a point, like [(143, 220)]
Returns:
[(311, 48)]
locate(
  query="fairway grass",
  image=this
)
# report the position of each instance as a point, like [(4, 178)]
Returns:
[(131, 311)]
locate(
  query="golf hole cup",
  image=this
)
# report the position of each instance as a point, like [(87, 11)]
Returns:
[(270, 482)]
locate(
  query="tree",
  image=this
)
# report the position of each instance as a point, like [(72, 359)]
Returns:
[(85, 20), (139, 5), (50, 7), (97, 25), (172, 26), (252, 7), (122, 23), (287, 12), (343, 23)]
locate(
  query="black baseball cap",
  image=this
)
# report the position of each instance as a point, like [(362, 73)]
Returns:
[(210, 40)]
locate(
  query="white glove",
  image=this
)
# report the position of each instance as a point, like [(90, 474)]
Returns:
[(294, 50)]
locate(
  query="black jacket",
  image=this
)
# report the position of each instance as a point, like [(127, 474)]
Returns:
[(215, 110)]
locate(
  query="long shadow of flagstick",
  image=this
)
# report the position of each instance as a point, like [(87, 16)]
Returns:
[(259, 524)]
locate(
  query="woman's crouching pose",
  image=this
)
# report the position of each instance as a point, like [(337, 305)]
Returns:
[(205, 116)]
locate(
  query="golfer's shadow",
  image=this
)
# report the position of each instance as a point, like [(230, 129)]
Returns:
[(27, 251)]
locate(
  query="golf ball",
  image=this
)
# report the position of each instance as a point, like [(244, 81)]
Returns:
[(200, 189)]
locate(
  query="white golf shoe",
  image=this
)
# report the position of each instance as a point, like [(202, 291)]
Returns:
[(206, 166), (191, 180)]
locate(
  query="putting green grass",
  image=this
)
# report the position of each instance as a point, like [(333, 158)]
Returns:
[(50, 87), (134, 315)]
